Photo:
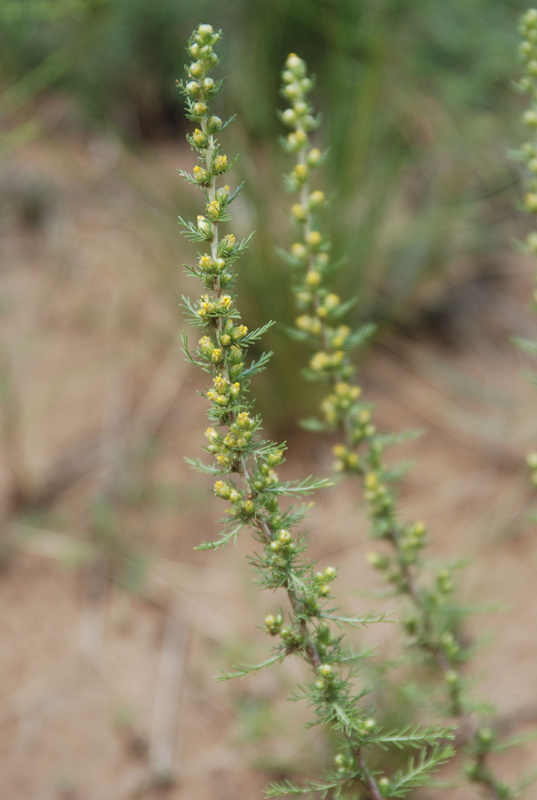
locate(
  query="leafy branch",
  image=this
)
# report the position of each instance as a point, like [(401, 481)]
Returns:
[(245, 465)]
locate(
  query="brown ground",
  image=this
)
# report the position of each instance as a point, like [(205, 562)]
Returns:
[(101, 687)]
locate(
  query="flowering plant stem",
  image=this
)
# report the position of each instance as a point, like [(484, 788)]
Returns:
[(434, 624), (528, 156), (244, 467)]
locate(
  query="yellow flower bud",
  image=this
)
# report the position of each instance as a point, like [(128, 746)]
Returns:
[(220, 164), (299, 212), (193, 89), (199, 138), (227, 245), (221, 489), (207, 85), (313, 157), (313, 279), (531, 241), (303, 323), (205, 262), (530, 201), (300, 172), (329, 574), (298, 251), (371, 480), (331, 301), (297, 140), (295, 64), (204, 226), (419, 528), (532, 460), (213, 210), (314, 239), (319, 361), (530, 118), (201, 175), (214, 124), (196, 69), (352, 460), (206, 33), (200, 109), (212, 435), (289, 116), (292, 91), (316, 199)]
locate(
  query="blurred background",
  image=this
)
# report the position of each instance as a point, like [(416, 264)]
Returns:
[(112, 628)]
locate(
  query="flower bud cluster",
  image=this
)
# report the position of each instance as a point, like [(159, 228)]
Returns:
[(344, 762), (224, 393), (528, 84), (381, 502), (342, 407), (340, 401), (347, 459), (321, 308), (324, 363), (327, 678), (323, 581), (290, 637), (528, 155)]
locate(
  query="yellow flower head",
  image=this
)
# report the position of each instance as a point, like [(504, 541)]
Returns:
[(313, 279), (371, 480), (299, 212), (319, 361), (314, 239), (220, 163), (298, 251)]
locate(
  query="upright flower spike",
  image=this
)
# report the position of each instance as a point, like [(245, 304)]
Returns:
[(245, 477), (528, 155), (434, 622)]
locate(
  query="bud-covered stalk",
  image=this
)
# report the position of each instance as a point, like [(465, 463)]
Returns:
[(528, 156), (244, 469), (434, 625)]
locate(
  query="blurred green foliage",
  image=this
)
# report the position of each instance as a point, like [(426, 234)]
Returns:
[(417, 110)]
